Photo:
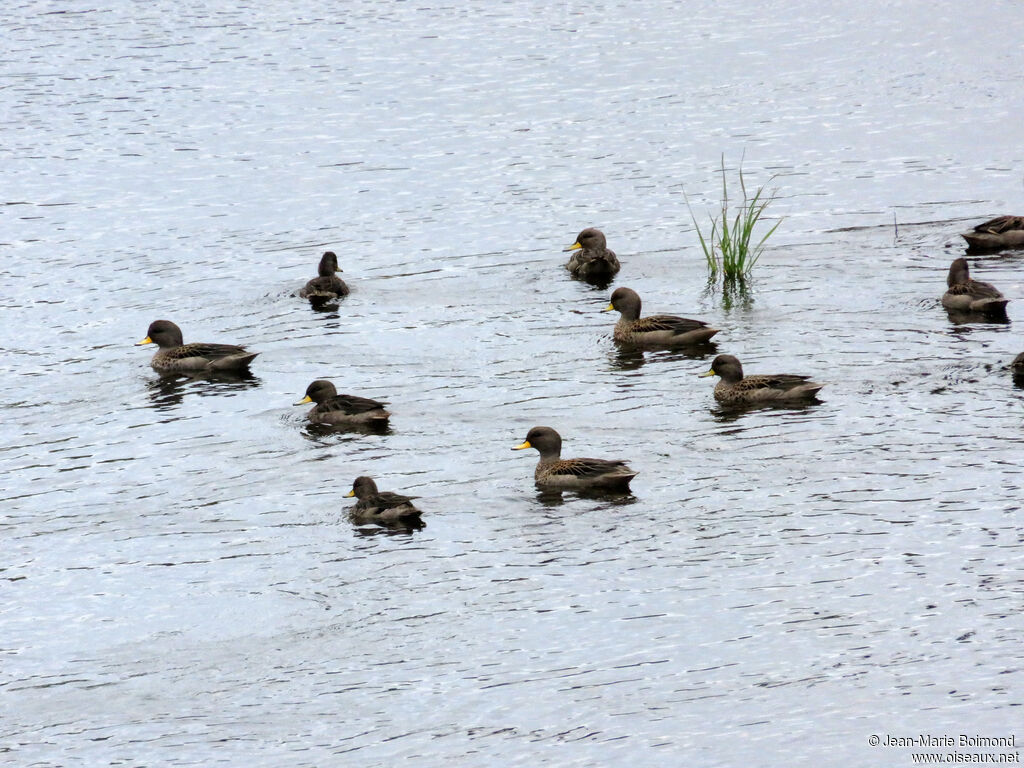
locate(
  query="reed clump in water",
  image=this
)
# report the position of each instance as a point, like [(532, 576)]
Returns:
[(729, 248)]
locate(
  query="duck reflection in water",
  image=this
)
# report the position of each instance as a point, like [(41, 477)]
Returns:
[(629, 358), (168, 391), (317, 432), (728, 413), (553, 497)]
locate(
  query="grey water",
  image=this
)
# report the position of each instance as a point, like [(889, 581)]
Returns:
[(180, 583)]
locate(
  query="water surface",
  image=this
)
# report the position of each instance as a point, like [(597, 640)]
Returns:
[(181, 583)]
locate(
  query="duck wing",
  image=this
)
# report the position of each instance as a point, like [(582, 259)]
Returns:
[(349, 405), (587, 260), (387, 506), (590, 468), (323, 288), (779, 381), (673, 323), (975, 289), (207, 351), (1001, 224), (389, 500)]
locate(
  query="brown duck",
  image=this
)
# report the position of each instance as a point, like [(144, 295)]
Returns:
[(737, 389), (591, 258), (1000, 232), (654, 330), (965, 294), (332, 408), (556, 473), (328, 286), (174, 356), (382, 507)]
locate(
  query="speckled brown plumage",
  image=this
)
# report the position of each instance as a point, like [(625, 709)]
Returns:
[(737, 389), (332, 408), (592, 259), (174, 356), (556, 473), (655, 330), (965, 294), (382, 507), (1000, 232), (328, 286)]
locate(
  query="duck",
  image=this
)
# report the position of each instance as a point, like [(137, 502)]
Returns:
[(332, 408), (382, 507), (1000, 232), (964, 294), (592, 260), (328, 286), (556, 473), (655, 330), (737, 389), (1017, 366), (174, 356)]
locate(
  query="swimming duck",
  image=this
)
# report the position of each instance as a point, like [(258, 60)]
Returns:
[(556, 473), (382, 507), (592, 260), (737, 389), (332, 408), (1017, 366), (1000, 232), (328, 286), (175, 356), (964, 294), (655, 330)]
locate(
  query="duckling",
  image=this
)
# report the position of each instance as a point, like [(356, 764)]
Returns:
[(328, 286), (555, 473), (174, 356), (1000, 232), (592, 259), (382, 507), (655, 330), (737, 389), (332, 408), (964, 294)]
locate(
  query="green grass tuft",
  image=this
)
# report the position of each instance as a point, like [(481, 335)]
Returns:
[(729, 247)]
